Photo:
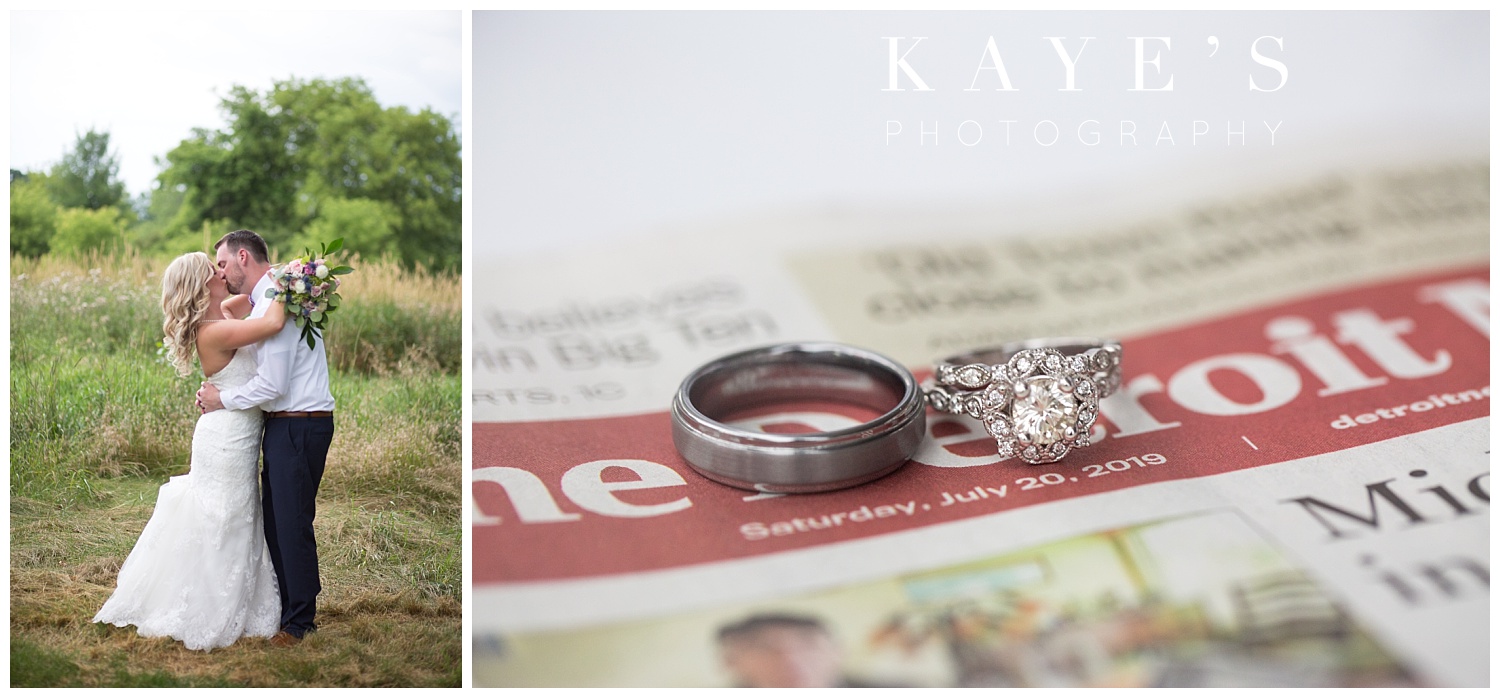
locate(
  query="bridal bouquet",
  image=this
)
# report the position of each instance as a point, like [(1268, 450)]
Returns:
[(309, 285)]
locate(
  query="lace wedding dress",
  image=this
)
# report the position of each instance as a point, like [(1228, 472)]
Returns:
[(200, 572)]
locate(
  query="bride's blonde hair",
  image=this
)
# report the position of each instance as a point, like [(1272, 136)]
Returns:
[(184, 300)]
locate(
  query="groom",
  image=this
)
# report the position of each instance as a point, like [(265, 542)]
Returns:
[(291, 387)]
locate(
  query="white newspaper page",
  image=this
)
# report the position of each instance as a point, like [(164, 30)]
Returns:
[(1291, 488)]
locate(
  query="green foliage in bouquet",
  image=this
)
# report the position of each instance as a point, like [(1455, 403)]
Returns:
[(309, 286)]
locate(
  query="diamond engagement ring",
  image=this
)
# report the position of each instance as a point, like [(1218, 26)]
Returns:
[(1038, 398)]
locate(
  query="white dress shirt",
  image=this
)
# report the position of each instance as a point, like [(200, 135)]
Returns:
[(289, 377)]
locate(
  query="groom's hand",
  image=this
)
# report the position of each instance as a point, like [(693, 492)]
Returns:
[(208, 398)]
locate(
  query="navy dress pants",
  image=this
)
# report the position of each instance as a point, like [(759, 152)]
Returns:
[(295, 451)]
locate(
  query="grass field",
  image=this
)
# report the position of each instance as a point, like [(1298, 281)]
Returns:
[(99, 421)]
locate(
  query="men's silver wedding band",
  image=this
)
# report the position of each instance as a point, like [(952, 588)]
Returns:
[(786, 374)]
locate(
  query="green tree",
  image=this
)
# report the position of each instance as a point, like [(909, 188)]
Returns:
[(157, 220), (33, 215), (366, 226), (242, 174), (307, 151), (88, 177), (82, 230)]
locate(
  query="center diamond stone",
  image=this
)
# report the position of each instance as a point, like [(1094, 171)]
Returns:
[(1043, 410)]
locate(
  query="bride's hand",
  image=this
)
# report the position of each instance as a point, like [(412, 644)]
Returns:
[(235, 307), (276, 315)]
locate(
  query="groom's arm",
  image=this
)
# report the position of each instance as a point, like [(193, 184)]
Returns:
[(272, 375)]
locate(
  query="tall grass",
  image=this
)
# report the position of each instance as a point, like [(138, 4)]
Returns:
[(99, 420), (402, 317)]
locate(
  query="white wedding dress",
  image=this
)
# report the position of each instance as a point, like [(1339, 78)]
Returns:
[(200, 572)]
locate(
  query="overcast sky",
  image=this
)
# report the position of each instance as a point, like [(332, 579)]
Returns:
[(149, 78)]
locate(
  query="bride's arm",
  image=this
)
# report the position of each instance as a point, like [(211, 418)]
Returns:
[(236, 306), (233, 334)]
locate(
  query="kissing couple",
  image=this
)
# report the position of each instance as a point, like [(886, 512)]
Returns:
[(218, 559)]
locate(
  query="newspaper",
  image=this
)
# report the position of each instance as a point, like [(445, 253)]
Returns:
[(1291, 488)]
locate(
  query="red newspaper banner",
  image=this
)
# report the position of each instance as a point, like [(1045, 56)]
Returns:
[(575, 498)]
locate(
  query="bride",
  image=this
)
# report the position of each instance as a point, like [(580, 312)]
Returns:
[(200, 572)]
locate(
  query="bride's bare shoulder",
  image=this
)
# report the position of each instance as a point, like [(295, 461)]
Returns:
[(213, 352)]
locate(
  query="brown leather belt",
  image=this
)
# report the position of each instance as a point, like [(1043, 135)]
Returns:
[(298, 414)]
